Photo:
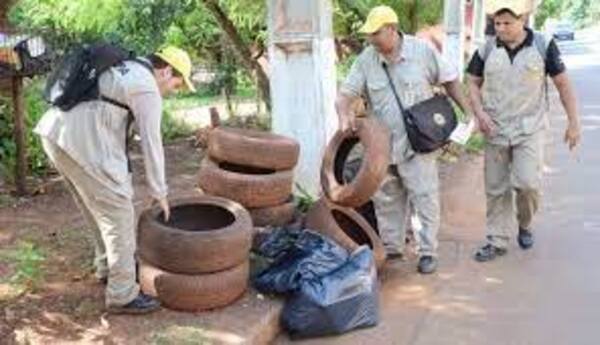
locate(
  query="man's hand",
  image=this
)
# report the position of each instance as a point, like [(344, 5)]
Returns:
[(346, 117), (573, 134), (164, 205), (486, 124), (567, 97)]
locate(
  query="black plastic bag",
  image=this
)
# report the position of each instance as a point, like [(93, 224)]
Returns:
[(275, 244), (299, 256), (343, 300)]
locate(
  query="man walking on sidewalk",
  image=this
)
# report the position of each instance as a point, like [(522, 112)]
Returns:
[(88, 147), (508, 89), (415, 68)]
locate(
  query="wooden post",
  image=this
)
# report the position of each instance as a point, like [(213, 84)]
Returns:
[(215, 117), (19, 135), (303, 80)]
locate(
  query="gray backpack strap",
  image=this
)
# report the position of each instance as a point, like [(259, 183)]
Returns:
[(486, 49), (542, 44)]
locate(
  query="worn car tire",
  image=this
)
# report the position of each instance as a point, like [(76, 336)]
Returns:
[(273, 216), (253, 148), (346, 227), (218, 236), (194, 292), (375, 139), (251, 187)]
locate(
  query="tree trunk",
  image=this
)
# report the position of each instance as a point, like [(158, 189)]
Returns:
[(19, 134), (414, 16), (241, 48), (226, 93)]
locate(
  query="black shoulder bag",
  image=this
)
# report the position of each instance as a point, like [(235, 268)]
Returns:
[(429, 123)]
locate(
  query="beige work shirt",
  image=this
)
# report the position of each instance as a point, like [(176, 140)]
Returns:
[(419, 69), (93, 133), (514, 94)]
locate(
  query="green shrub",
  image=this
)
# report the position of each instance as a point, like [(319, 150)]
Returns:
[(304, 200), (35, 106), (173, 128)]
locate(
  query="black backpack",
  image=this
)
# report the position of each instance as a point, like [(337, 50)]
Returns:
[(76, 78)]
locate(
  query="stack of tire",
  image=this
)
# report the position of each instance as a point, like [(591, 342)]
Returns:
[(253, 168), (335, 214), (199, 259)]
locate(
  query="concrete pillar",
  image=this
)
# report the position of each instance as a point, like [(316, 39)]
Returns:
[(454, 23), (303, 80), (479, 23), (534, 7)]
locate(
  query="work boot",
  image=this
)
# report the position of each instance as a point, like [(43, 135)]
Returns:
[(488, 253), (427, 264), (142, 304), (525, 239)]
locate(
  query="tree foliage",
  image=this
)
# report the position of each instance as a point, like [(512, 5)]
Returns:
[(581, 12), (195, 25)]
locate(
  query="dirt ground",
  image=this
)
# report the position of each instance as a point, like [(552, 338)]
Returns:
[(68, 301), (66, 306)]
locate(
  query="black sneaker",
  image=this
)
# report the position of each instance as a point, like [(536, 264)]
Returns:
[(427, 264), (395, 256), (525, 239), (142, 304), (489, 253)]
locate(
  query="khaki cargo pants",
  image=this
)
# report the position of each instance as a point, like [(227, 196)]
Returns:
[(511, 170), (413, 182), (111, 217)]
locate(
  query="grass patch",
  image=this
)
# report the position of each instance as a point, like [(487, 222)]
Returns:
[(204, 98), (27, 260), (172, 128), (190, 100)]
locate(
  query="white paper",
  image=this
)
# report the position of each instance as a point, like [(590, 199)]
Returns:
[(462, 132)]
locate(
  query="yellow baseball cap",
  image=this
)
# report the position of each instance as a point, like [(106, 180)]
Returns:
[(518, 7), (180, 61), (378, 17)]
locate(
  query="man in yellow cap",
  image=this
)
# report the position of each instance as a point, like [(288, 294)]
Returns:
[(508, 89), (88, 147), (415, 68)]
